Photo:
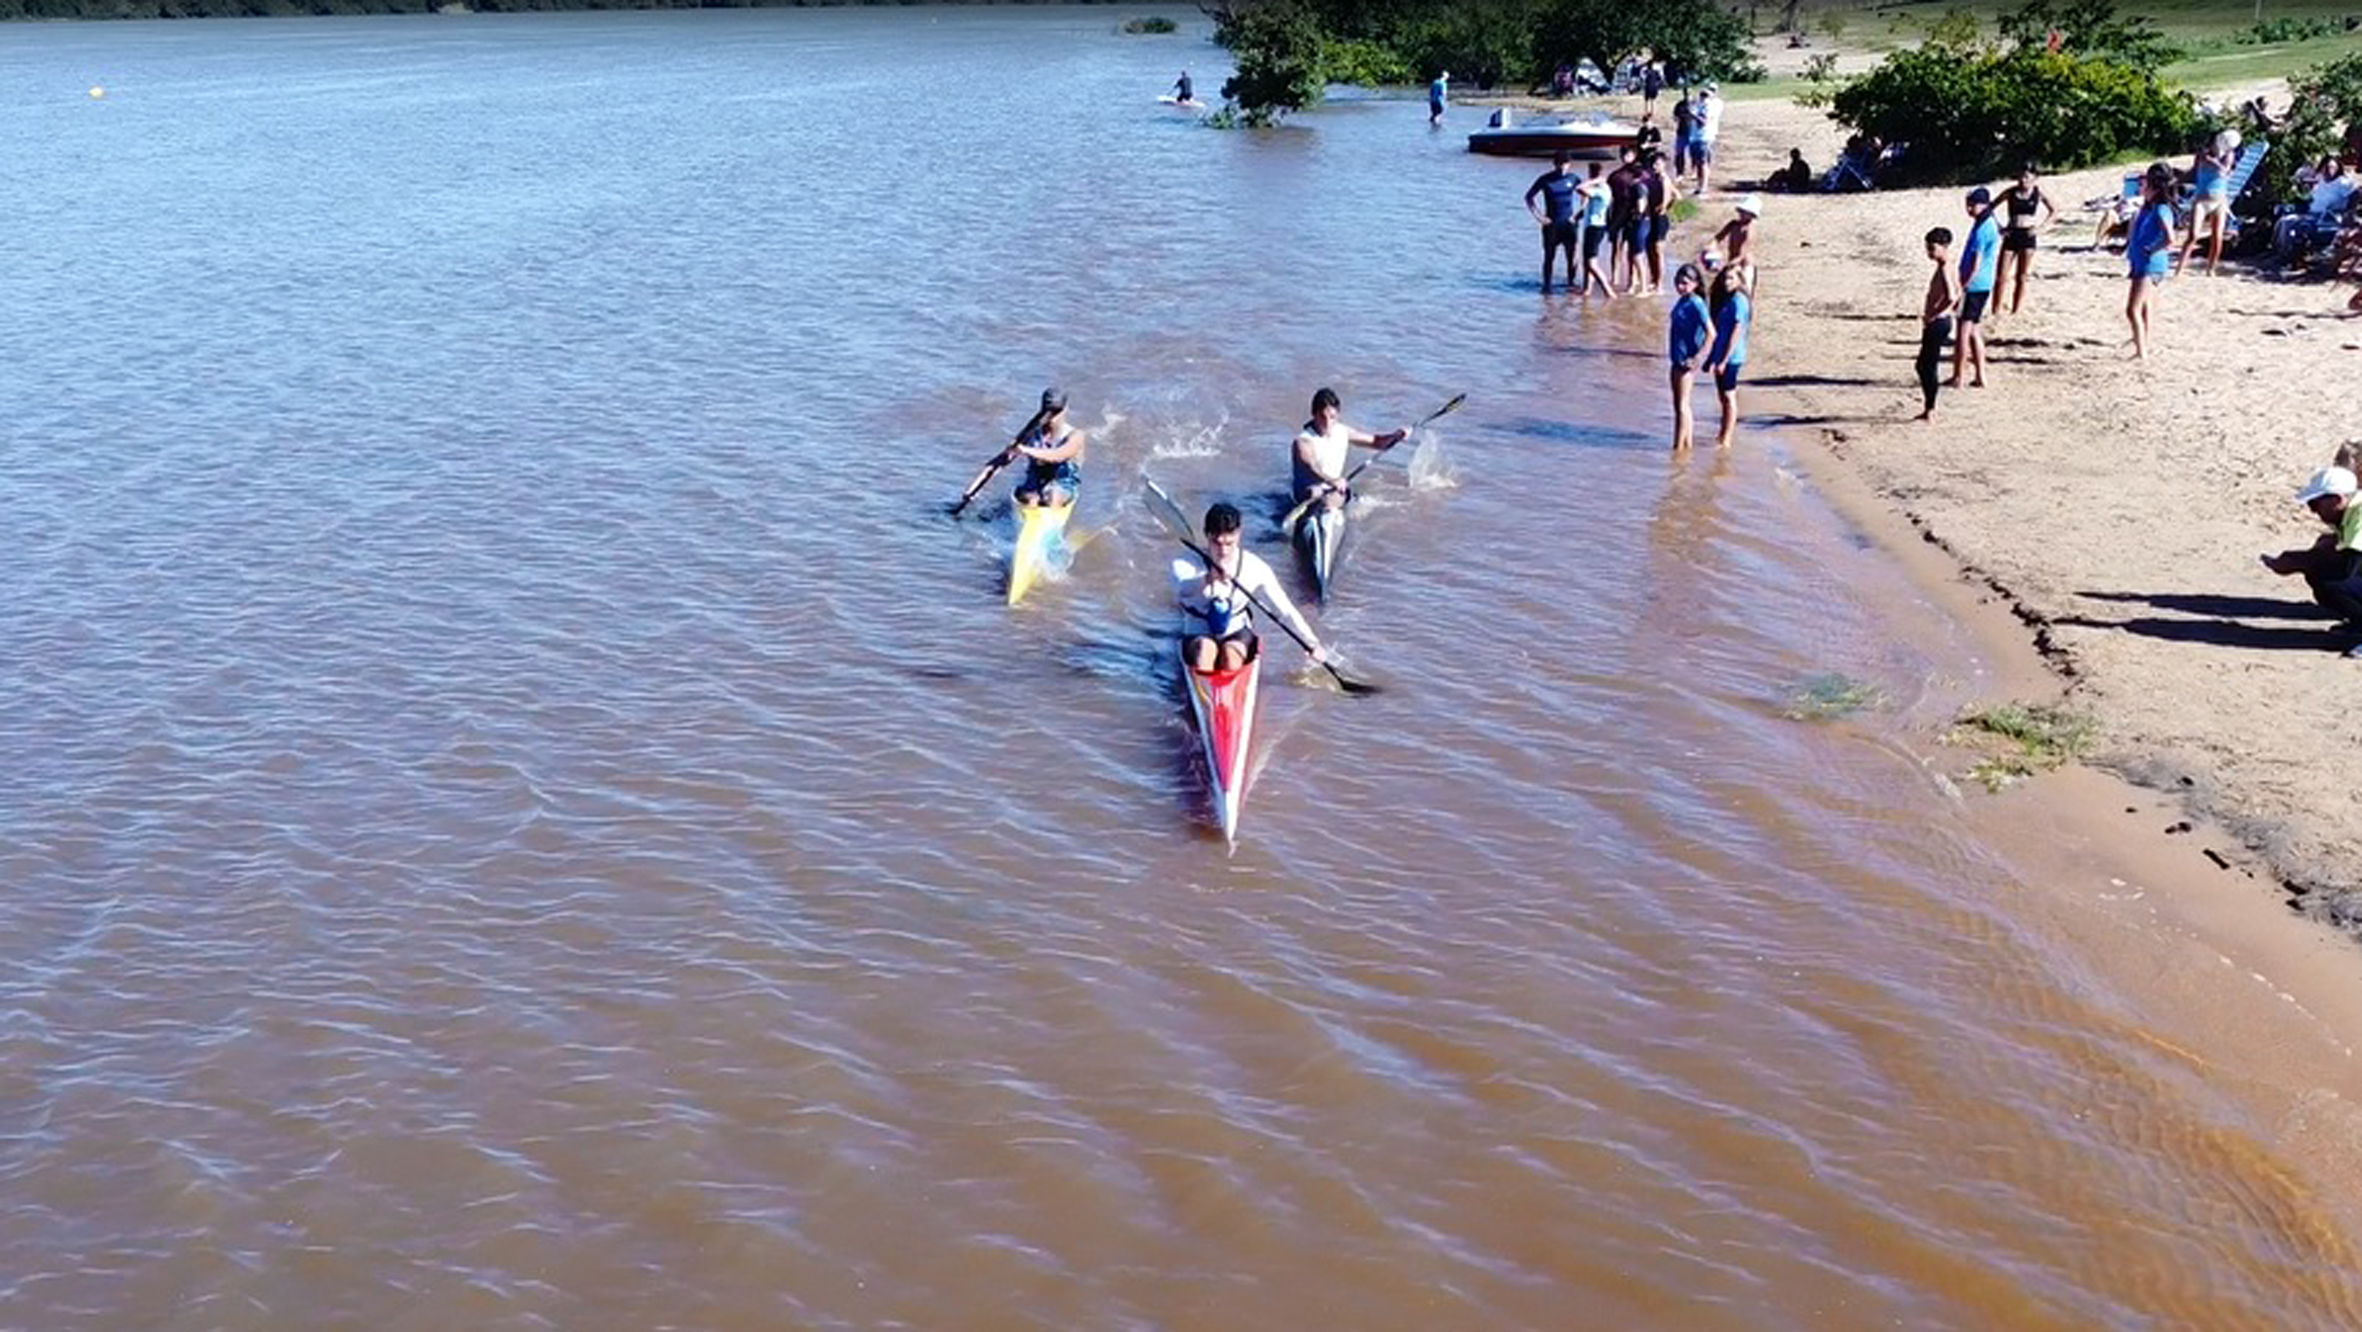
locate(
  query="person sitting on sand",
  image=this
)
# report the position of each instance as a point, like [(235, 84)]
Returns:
[(1687, 339), (2148, 252), (1979, 259), (2293, 236), (1935, 317), (1794, 178), (2332, 566)]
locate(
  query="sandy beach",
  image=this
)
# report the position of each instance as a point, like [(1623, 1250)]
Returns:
[(2117, 507)]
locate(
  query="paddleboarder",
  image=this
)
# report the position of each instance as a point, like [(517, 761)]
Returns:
[(1317, 458), (1053, 453), (1182, 89), (1218, 618)]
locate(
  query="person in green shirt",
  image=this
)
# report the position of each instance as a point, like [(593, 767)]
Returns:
[(2332, 566)]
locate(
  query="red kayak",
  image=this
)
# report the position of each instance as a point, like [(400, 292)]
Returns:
[(1224, 704)]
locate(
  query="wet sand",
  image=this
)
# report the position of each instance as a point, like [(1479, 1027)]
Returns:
[(2096, 522)]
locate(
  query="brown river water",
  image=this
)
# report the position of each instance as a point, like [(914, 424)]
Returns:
[(520, 811)]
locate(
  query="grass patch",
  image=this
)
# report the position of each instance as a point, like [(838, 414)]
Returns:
[(2021, 739), (1828, 696)]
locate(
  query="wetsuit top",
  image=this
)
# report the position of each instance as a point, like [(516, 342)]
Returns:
[(2022, 205), (1730, 330), (1557, 189), (1596, 198), (1329, 450), (1067, 473), (1227, 613), (1982, 255), (2210, 180), (1688, 336)]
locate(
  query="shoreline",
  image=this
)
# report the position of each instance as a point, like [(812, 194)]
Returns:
[(2192, 886), (2115, 508)]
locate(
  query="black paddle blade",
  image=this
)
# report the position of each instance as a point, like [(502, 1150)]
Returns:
[(1356, 688), (1447, 409)]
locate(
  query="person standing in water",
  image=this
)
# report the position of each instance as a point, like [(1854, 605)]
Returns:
[(1557, 188), (1317, 458), (1218, 619), (1053, 453), (1597, 200), (1686, 346), (1438, 93), (1732, 313), (1183, 89), (2028, 211)]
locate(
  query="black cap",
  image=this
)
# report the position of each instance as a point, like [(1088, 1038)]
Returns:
[(1053, 400), (1980, 196)]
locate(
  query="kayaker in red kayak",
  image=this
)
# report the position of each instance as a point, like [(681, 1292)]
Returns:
[(1053, 453), (1318, 456), (1220, 621)]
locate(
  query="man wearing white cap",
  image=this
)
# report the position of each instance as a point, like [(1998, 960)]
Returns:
[(2332, 566)]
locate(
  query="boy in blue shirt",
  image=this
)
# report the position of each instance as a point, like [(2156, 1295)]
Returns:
[(1730, 345), (1437, 92), (1686, 345), (1980, 257)]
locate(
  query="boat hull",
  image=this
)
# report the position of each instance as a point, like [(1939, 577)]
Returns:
[(1545, 140), (1040, 527), (1223, 704), (1318, 536)]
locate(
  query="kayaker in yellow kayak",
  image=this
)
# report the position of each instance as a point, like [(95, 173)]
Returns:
[(1317, 459), (1219, 619), (1053, 453)]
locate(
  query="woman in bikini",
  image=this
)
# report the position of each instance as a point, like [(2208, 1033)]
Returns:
[(2027, 210)]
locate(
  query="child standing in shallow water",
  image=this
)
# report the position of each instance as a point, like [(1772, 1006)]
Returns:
[(1935, 318), (1731, 316), (1686, 347)]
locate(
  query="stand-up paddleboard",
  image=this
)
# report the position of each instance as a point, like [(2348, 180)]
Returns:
[(1224, 704), (1191, 105), (1039, 527)]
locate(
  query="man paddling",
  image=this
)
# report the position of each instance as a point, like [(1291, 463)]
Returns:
[(1317, 460), (1053, 453), (1184, 91), (1219, 628)]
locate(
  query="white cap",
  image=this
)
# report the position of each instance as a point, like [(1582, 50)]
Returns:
[(1752, 205), (2329, 481)]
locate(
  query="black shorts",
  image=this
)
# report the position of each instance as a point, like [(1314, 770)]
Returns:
[(1972, 306), (2017, 240), (1246, 636), (1593, 238), (1559, 233), (1639, 232)]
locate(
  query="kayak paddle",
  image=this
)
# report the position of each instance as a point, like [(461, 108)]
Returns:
[(1169, 513), (992, 467), (1288, 523)]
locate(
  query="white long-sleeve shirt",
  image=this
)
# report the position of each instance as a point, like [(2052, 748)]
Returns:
[(1226, 612)]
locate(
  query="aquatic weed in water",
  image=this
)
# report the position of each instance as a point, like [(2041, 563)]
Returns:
[(1830, 695), (2021, 739)]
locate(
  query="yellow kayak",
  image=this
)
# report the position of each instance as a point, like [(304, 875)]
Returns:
[(1040, 527)]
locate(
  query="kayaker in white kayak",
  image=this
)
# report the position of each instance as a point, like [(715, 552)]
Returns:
[(1218, 619), (1053, 453), (1318, 457)]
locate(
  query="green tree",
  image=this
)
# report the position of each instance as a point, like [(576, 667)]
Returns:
[(2090, 28), (2324, 113), (1279, 51), (1696, 37)]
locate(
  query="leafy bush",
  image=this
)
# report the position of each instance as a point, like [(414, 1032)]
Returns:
[(2325, 102), (1974, 111), (1279, 50), (1151, 24), (1696, 37), (1366, 64), (2090, 29), (2273, 31)]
